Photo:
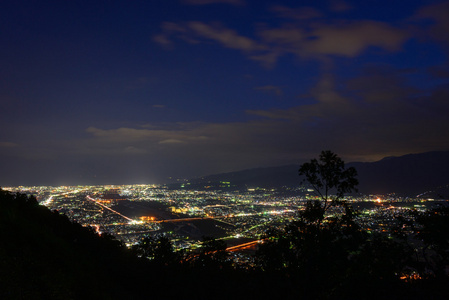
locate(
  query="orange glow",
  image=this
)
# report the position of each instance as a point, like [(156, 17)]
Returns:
[(410, 277), (243, 246), (147, 218), (104, 201)]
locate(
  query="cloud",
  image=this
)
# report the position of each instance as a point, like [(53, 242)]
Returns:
[(171, 141), (347, 39), (202, 2), (339, 6), (289, 37), (439, 30), (351, 39), (270, 89), (170, 30), (377, 114), (310, 40), (440, 71), (149, 136), (134, 150), (159, 106), (163, 40), (224, 36), (123, 134), (8, 145), (203, 147), (374, 115), (196, 32), (327, 104)]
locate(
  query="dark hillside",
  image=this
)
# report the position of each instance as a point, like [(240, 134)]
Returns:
[(241, 180), (45, 256), (407, 175)]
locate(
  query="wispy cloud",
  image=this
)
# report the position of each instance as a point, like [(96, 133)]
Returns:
[(437, 13), (376, 114), (171, 141), (8, 145), (270, 89), (397, 118), (224, 36), (305, 40), (340, 6), (347, 39), (351, 39)]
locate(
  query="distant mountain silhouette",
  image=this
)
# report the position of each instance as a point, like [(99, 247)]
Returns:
[(270, 177), (410, 174), (406, 175)]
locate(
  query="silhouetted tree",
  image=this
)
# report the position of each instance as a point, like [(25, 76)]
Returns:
[(330, 180), (211, 255), (330, 256), (158, 249), (434, 233)]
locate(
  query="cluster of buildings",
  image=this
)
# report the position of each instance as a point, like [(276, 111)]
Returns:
[(130, 212)]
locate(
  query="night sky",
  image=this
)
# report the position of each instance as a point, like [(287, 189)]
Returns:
[(120, 92)]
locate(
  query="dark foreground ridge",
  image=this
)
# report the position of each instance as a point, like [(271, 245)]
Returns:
[(45, 256)]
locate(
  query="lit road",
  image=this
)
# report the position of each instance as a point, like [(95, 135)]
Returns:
[(159, 221), (105, 207), (187, 219), (243, 246), (222, 217)]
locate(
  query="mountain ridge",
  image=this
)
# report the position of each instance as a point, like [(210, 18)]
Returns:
[(407, 175)]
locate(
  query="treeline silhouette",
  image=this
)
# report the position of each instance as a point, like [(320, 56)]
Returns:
[(43, 255)]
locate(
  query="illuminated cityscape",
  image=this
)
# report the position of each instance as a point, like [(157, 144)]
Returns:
[(217, 149), (240, 218)]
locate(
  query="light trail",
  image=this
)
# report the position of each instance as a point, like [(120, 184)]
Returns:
[(180, 220), (104, 206), (243, 246), (221, 217), (189, 219), (137, 232), (48, 201), (97, 228)]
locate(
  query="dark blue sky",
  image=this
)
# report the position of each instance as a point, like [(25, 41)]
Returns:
[(95, 92)]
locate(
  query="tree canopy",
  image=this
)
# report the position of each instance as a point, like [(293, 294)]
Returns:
[(330, 181)]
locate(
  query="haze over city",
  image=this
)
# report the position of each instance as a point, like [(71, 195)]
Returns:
[(136, 92)]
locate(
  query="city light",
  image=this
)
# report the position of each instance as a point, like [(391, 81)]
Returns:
[(241, 218)]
